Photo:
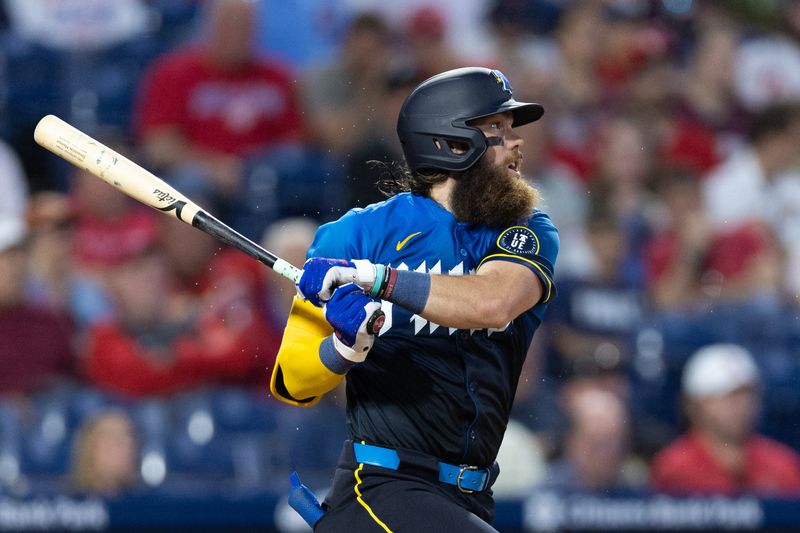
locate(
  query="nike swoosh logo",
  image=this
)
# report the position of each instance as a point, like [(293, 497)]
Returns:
[(402, 243)]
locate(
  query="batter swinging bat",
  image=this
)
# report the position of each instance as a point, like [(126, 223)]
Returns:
[(90, 154)]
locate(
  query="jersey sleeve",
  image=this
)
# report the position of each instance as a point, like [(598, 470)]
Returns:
[(533, 245), (299, 376), (341, 239)]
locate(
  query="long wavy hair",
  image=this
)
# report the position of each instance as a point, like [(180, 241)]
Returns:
[(395, 177)]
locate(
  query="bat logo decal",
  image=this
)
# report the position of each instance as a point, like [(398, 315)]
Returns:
[(164, 196), (177, 206)]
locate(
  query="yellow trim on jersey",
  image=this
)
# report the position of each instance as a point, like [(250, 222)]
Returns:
[(534, 263), (364, 504), (536, 238), (303, 374)]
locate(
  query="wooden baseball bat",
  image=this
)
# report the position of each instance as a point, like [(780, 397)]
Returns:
[(117, 170), (88, 153)]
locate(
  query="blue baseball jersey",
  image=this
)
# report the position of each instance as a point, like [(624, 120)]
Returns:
[(438, 390)]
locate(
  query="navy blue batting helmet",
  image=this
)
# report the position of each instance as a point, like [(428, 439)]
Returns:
[(439, 108)]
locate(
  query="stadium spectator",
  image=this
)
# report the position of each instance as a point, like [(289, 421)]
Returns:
[(564, 196), (707, 98), (79, 26), (430, 49), (596, 449), (104, 455), (756, 191), (722, 453), (382, 145), (204, 108), (54, 279), (676, 255), (289, 239), (160, 345), (13, 184), (522, 458), (576, 91), (342, 97), (624, 158), (35, 350), (595, 317)]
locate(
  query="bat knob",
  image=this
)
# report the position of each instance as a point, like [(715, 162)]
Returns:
[(376, 321)]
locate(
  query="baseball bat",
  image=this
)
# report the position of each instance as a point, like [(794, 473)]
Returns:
[(88, 153)]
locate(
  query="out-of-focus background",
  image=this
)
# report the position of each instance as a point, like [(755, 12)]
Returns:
[(660, 394)]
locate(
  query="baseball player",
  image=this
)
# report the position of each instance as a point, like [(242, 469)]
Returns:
[(461, 262)]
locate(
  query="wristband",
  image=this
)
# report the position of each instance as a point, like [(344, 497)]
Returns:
[(331, 355), (391, 281), (409, 289), (380, 273)]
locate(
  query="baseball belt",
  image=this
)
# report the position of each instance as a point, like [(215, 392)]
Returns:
[(465, 478)]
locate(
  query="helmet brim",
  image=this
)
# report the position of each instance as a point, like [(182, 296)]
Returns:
[(523, 112)]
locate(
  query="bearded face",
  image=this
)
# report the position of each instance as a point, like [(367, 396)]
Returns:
[(492, 194)]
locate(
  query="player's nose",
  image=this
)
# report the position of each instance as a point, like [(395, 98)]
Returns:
[(513, 139)]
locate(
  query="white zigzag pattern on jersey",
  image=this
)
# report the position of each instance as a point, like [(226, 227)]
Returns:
[(418, 321)]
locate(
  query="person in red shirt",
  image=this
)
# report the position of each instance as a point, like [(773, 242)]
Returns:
[(213, 104), (722, 453), (164, 341), (35, 349)]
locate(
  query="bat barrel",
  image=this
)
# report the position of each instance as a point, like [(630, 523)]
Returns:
[(87, 153), (117, 170)]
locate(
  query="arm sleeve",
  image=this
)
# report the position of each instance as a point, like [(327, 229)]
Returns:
[(534, 245), (299, 377)]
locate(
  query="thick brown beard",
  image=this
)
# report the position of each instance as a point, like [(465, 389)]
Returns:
[(488, 195)]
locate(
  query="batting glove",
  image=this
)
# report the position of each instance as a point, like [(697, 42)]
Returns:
[(348, 311), (321, 276)]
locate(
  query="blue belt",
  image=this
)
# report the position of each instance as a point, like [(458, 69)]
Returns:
[(467, 479)]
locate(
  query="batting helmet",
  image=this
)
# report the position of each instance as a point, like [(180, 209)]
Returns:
[(439, 108)]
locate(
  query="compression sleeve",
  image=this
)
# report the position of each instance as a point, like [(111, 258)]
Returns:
[(299, 376)]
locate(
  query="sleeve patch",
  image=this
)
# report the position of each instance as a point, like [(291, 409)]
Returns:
[(518, 240)]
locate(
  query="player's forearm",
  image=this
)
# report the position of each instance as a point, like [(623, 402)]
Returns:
[(467, 302)]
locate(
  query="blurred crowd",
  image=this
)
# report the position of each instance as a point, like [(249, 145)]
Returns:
[(667, 157)]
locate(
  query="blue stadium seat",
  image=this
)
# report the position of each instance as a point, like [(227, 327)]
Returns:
[(48, 437), (10, 443), (243, 410)]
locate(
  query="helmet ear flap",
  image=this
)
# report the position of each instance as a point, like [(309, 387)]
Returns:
[(431, 145)]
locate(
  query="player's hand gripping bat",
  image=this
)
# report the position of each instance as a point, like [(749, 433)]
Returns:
[(87, 153)]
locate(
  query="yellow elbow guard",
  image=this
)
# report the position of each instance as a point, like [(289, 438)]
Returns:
[(299, 377)]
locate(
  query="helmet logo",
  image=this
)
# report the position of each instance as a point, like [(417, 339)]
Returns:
[(501, 79)]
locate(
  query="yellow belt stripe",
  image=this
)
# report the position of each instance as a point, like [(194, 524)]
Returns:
[(364, 504)]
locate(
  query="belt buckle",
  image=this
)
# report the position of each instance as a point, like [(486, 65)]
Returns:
[(464, 468)]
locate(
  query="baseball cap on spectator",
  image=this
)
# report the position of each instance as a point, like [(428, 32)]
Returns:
[(718, 369), (767, 70), (427, 22)]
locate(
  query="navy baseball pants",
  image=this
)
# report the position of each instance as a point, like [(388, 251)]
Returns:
[(367, 498)]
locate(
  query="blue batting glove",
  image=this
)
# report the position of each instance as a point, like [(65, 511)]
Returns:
[(318, 273), (321, 276), (349, 311)]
